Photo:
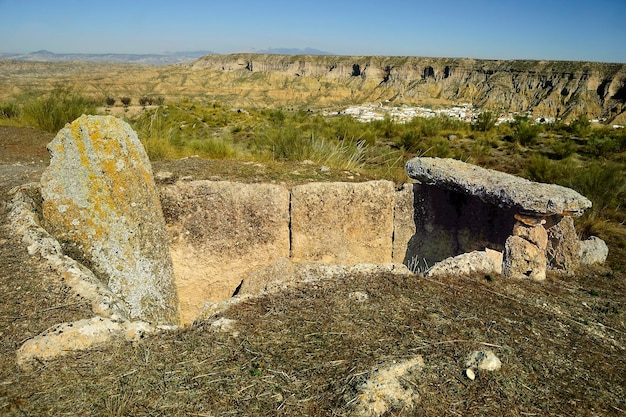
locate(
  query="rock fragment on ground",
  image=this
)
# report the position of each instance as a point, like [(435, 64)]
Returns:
[(482, 360), (593, 251), (79, 335), (484, 262), (386, 388)]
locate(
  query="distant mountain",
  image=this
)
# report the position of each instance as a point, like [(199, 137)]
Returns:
[(146, 59), (294, 51)]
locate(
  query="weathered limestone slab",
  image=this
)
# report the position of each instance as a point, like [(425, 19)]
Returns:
[(498, 188), (342, 223), (79, 335), (99, 201), (484, 262), (219, 233)]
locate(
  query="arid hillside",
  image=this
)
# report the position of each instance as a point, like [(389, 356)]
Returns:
[(547, 88)]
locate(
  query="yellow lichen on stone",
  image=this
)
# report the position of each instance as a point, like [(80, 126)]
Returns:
[(111, 216)]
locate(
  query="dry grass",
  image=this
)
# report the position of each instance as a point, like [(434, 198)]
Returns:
[(305, 352)]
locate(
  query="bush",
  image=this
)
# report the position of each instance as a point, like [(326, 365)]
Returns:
[(485, 121), (51, 112), (144, 101), (581, 127), (110, 101), (125, 101), (604, 183), (9, 110), (526, 134)]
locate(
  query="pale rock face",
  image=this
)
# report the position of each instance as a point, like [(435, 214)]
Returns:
[(536, 235), (523, 260), (100, 203), (343, 223)]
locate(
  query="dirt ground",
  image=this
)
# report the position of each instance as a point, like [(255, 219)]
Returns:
[(309, 349)]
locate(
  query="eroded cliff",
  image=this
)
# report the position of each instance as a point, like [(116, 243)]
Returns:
[(548, 88)]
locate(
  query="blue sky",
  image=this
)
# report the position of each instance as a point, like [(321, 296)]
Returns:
[(492, 29)]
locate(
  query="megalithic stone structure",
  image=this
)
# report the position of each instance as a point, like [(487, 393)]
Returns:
[(533, 204), (100, 202)]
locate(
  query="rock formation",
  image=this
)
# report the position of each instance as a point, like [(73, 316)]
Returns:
[(549, 88), (100, 202), (530, 249)]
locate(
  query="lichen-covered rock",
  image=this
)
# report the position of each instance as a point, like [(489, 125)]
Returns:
[(498, 188), (99, 201), (522, 260), (563, 246), (344, 223)]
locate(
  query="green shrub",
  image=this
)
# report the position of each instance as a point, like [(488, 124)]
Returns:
[(526, 133), (485, 121), (581, 126), (9, 111), (603, 182), (52, 111)]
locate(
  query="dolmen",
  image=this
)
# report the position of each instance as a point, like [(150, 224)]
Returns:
[(543, 234)]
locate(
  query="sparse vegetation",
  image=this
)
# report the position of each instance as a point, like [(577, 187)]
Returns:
[(52, 111)]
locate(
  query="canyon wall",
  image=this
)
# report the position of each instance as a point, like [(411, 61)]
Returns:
[(547, 88)]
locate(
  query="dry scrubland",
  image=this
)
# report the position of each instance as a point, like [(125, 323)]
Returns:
[(310, 349)]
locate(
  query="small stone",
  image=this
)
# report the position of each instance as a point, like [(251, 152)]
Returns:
[(485, 360), (358, 296), (164, 177), (470, 374)]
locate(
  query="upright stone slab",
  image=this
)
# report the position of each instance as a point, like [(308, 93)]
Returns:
[(100, 202), (220, 232), (342, 223)]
